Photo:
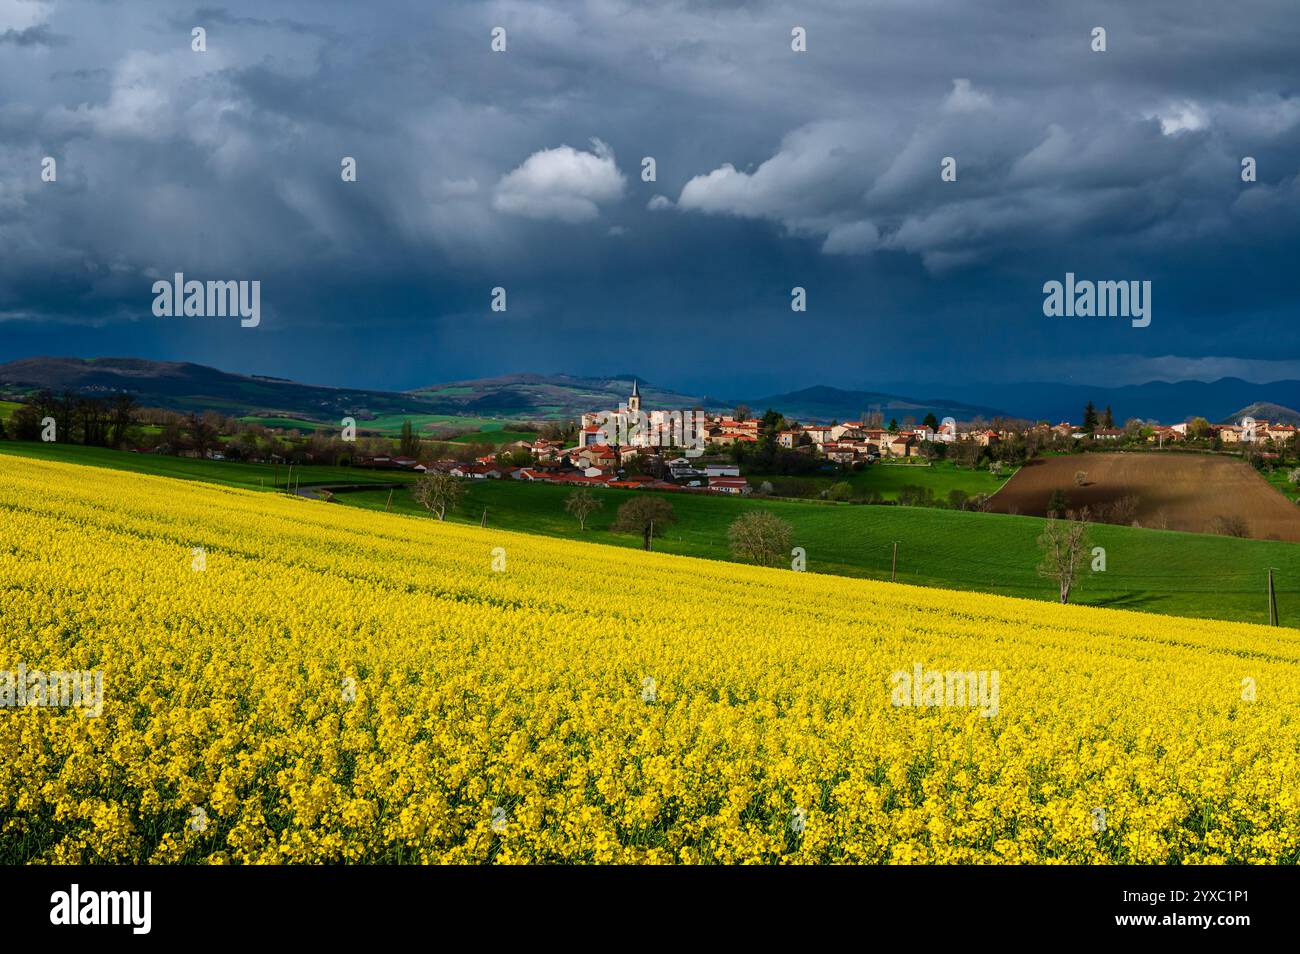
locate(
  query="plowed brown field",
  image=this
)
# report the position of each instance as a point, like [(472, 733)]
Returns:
[(1174, 491)]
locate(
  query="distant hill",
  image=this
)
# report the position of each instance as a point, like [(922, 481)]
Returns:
[(1263, 411), (182, 386), (823, 403), (539, 395), (1164, 401)]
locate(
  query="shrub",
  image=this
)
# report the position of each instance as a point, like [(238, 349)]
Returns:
[(840, 491)]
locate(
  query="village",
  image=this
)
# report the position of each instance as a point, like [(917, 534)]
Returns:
[(696, 451)]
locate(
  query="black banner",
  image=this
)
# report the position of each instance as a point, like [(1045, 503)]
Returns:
[(143, 905)]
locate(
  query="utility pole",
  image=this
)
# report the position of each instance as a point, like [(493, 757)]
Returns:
[(1272, 600), (483, 522), (288, 480), (390, 500), (893, 569), (650, 540)]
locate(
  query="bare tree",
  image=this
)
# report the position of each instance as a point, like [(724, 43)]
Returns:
[(438, 493), (760, 537), (1231, 526), (1080, 477), (1122, 512), (1064, 544), (581, 504)]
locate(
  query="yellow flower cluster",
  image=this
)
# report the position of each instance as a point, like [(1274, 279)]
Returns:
[(327, 684)]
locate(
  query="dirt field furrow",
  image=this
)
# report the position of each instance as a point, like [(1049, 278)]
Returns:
[(1200, 493)]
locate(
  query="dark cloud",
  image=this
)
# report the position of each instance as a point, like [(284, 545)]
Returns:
[(40, 35), (774, 169)]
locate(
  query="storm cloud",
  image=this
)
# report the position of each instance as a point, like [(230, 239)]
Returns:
[(774, 168)]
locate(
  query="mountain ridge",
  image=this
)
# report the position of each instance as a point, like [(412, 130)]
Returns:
[(188, 386)]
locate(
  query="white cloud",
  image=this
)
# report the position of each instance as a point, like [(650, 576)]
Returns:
[(1184, 117), (725, 189), (659, 203), (564, 184), (964, 98), (19, 15), (806, 185)]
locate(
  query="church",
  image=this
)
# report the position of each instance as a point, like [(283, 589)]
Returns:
[(630, 426)]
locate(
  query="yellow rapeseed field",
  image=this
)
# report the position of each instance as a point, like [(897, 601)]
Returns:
[(336, 685)]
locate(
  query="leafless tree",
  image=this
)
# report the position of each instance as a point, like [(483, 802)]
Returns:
[(582, 504), (760, 537), (1231, 526), (438, 493), (1065, 545)]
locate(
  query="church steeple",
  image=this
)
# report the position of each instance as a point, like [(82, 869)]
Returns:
[(634, 402)]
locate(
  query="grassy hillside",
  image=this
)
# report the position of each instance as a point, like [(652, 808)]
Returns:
[(887, 479), (495, 435), (1279, 481), (1158, 571), (426, 425)]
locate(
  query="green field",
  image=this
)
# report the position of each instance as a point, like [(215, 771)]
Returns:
[(1278, 478), (285, 422), (494, 436), (227, 473), (1182, 574), (887, 479), (426, 425), (7, 408)]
